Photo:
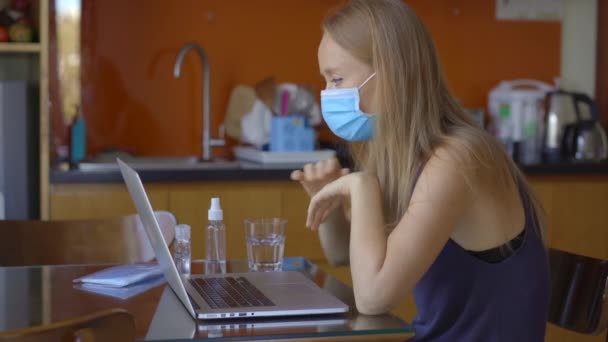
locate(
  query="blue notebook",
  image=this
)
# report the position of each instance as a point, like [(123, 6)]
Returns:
[(124, 292), (121, 276)]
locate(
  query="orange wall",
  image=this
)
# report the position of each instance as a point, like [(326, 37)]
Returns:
[(131, 101)]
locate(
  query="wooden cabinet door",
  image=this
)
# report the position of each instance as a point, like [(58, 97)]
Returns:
[(576, 213), (189, 202), (576, 222), (239, 201), (301, 241), (97, 201)]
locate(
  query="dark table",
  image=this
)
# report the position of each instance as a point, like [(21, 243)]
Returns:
[(31, 296)]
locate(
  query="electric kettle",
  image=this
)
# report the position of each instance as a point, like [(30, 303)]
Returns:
[(568, 134)]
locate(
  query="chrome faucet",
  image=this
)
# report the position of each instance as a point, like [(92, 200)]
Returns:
[(208, 142)]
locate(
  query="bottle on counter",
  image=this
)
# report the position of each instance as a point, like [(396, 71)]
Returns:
[(182, 251), (78, 138), (215, 261)]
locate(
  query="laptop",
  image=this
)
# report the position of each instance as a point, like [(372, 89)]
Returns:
[(318, 323), (231, 295), (172, 322)]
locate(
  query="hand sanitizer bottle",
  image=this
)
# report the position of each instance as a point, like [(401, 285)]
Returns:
[(215, 240), (181, 254)]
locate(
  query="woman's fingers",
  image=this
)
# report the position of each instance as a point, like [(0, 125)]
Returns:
[(316, 217), (296, 175), (314, 177), (328, 166), (321, 214), (320, 206), (309, 173), (328, 212), (316, 203)]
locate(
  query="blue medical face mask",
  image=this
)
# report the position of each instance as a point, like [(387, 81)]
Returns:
[(340, 108)]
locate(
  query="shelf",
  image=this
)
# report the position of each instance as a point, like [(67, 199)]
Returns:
[(20, 47)]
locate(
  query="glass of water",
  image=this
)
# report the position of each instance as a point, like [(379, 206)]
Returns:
[(265, 243)]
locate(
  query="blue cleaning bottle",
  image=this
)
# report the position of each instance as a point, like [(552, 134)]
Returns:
[(78, 148)]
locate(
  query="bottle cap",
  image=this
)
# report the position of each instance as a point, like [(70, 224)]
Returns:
[(182, 232), (215, 211)]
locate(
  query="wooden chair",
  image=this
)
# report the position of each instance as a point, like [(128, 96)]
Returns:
[(119, 240), (579, 297), (115, 325)]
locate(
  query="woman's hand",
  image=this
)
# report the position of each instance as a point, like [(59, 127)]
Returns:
[(334, 194), (315, 176)]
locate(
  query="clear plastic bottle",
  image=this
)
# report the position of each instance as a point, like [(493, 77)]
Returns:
[(215, 261), (182, 251)]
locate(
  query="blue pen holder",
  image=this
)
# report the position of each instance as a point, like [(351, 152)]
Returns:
[(291, 133)]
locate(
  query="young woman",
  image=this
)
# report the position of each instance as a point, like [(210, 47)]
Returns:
[(436, 207)]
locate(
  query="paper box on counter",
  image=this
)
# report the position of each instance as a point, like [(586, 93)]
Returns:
[(291, 133)]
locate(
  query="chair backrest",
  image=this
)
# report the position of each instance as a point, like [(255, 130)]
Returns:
[(119, 240), (115, 325), (579, 299)]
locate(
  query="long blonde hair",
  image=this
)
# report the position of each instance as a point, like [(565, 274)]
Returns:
[(418, 112)]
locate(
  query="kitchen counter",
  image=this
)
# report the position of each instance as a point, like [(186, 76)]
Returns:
[(266, 174), (565, 168), (229, 174)]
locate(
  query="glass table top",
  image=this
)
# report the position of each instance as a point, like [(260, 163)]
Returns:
[(35, 295)]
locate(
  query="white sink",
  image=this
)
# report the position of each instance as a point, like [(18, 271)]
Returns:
[(160, 163)]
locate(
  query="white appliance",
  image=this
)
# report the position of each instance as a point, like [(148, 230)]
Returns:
[(19, 151), (516, 108)]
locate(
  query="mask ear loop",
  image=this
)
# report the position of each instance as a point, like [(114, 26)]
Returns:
[(367, 80)]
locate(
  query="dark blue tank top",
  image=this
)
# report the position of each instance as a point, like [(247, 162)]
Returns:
[(463, 298)]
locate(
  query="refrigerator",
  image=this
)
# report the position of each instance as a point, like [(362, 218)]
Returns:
[(19, 151)]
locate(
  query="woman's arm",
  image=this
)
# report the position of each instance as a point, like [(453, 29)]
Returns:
[(385, 271), (334, 235)]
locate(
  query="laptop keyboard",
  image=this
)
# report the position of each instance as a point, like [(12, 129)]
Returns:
[(229, 292)]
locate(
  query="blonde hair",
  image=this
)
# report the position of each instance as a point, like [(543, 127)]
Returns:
[(418, 112)]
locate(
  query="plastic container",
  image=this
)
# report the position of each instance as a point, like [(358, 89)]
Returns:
[(215, 242), (182, 252)]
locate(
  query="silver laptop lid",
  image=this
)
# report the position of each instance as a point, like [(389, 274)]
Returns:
[(138, 194)]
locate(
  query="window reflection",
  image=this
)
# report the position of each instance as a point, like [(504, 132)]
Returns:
[(68, 53), (64, 70)]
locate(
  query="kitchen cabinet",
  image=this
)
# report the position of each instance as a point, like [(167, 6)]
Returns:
[(577, 222), (557, 334), (189, 202), (575, 206), (576, 211), (97, 201), (246, 200)]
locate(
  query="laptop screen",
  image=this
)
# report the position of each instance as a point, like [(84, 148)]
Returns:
[(146, 214)]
